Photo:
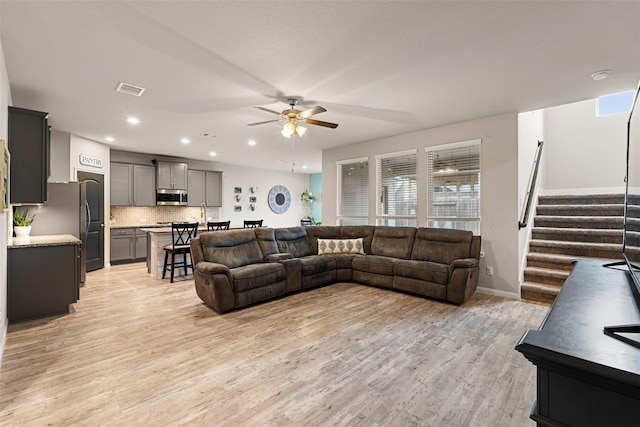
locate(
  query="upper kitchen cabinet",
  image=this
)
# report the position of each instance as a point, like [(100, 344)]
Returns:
[(172, 176), (132, 185), (144, 185), (121, 184), (28, 133), (195, 187), (213, 188)]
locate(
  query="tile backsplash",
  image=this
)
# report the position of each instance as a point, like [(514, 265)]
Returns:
[(136, 215)]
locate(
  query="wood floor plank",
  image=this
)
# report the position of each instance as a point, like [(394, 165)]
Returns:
[(139, 351)]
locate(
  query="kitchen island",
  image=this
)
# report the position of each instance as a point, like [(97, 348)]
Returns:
[(157, 238)]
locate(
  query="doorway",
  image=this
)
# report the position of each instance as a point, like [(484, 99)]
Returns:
[(94, 186)]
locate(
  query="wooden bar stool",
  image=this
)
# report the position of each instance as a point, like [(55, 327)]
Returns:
[(217, 226), (252, 223), (181, 235)]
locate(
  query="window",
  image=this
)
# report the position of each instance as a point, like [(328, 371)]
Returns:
[(353, 192), (396, 189), (614, 104), (453, 186)]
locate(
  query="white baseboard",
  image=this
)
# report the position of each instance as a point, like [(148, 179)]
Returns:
[(3, 340), (489, 291)]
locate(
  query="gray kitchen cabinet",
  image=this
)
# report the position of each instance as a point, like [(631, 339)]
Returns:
[(128, 244), (29, 142), (141, 244), (195, 187), (170, 175), (213, 188), (122, 244), (121, 184), (144, 185)]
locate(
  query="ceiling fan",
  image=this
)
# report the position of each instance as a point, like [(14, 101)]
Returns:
[(292, 117)]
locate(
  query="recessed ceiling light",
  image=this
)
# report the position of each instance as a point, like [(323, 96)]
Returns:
[(600, 75), (133, 120), (304, 166), (109, 139), (213, 153), (185, 140), (252, 142)]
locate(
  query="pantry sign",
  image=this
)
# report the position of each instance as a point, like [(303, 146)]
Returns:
[(92, 161)]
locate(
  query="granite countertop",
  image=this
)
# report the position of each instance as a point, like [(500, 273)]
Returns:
[(165, 229), (45, 240), (145, 226)]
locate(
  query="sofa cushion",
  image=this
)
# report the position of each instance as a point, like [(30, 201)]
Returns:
[(257, 275), (441, 245), (374, 264), (316, 232), (356, 231), (267, 240), (396, 242), (293, 240), (233, 248), (315, 264), (344, 260), (340, 246), (422, 270)]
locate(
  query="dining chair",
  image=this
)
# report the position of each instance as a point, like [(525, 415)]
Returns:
[(217, 226), (252, 223), (181, 235)]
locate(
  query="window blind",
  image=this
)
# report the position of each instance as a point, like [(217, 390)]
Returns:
[(453, 186), (353, 192), (397, 191)]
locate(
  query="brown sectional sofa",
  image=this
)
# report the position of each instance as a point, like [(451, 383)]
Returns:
[(237, 268)]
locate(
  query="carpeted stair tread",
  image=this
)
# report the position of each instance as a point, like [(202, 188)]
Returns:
[(538, 293), (581, 210), (577, 234), (590, 222), (546, 276), (580, 199), (557, 261)]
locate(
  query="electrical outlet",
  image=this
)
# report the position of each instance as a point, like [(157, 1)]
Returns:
[(489, 270)]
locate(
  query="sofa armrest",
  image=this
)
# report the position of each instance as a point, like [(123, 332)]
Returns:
[(463, 279), (464, 263), (293, 278), (278, 257), (214, 285)]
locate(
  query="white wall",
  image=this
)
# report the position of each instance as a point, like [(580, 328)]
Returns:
[(5, 101), (499, 174), (584, 153), (244, 177), (530, 131)]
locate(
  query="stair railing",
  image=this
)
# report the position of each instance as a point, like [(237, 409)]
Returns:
[(532, 185)]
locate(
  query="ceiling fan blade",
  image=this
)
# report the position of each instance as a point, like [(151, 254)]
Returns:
[(261, 123), (268, 110), (311, 111), (321, 123)]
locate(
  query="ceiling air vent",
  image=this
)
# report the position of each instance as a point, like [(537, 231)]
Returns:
[(130, 89)]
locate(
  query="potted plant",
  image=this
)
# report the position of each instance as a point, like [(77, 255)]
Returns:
[(307, 197), (22, 223)]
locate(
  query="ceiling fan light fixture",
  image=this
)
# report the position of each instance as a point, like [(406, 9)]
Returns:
[(300, 130)]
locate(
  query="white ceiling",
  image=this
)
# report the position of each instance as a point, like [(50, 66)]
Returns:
[(380, 68)]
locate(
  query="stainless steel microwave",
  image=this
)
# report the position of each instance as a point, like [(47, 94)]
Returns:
[(167, 197)]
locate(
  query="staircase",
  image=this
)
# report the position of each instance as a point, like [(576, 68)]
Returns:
[(567, 227)]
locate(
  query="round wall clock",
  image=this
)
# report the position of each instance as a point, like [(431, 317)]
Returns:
[(279, 199)]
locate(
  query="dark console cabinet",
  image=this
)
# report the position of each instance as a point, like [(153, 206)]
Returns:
[(28, 134), (42, 280), (584, 377)]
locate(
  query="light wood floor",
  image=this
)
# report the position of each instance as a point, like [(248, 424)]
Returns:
[(140, 352)]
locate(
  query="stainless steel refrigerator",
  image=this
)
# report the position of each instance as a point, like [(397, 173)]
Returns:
[(65, 212)]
